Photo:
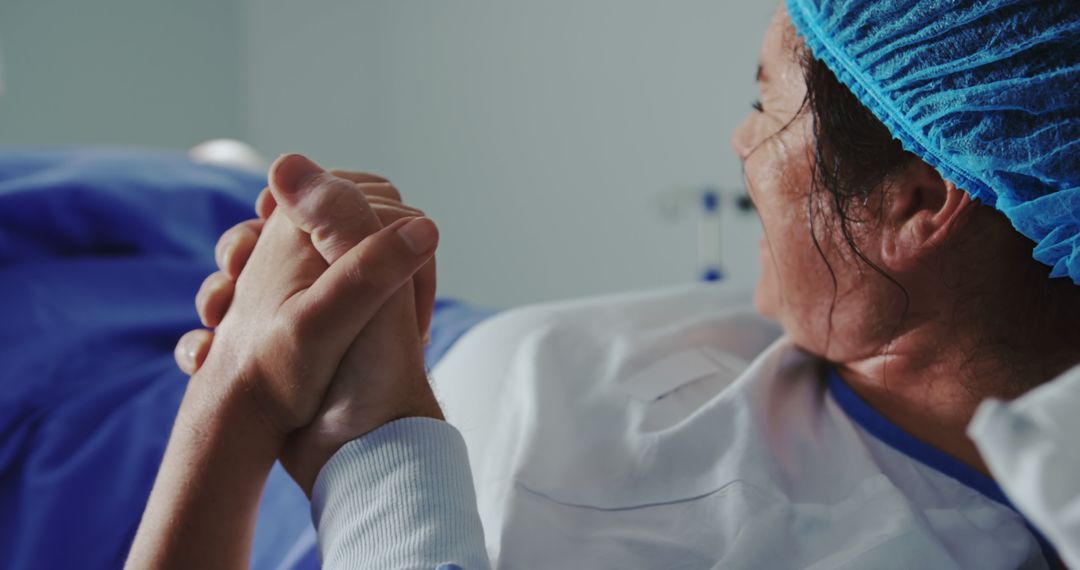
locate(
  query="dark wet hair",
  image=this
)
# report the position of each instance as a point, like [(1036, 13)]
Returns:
[(854, 155), (854, 151)]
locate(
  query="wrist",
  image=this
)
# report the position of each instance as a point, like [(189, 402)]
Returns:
[(209, 483), (219, 404), (309, 449)]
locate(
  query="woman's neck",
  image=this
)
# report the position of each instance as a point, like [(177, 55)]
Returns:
[(925, 382)]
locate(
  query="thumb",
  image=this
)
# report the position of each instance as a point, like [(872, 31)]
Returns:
[(332, 210), (343, 300)]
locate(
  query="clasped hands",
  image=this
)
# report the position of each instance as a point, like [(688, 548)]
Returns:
[(318, 314)]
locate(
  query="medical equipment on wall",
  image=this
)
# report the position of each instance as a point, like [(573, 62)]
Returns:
[(706, 204)]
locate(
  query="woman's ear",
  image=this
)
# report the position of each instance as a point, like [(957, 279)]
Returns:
[(921, 212)]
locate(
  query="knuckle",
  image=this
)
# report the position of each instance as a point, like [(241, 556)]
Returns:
[(361, 273), (406, 210), (388, 215), (209, 295), (206, 287), (236, 254), (223, 244), (291, 329), (283, 328), (366, 276), (328, 184), (381, 191), (228, 258), (357, 176), (250, 227), (264, 202), (340, 199), (232, 238), (255, 226), (392, 192)]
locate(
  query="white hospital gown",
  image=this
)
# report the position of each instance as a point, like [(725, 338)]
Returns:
[(674, 429), (1031, 446)]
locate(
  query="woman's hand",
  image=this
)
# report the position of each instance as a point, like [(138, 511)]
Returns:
[(382, 375), (298, 343), (235, 245), (293, 316), (356, 404)]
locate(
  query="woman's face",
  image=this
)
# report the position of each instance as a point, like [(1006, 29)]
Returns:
[(775, 145)]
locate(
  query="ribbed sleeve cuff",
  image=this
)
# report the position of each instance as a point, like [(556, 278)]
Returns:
[(400, 497)]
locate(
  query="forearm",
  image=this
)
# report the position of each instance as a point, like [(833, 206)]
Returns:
[(203, 507)]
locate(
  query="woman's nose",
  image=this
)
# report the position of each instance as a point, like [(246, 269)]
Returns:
[(741, 140)]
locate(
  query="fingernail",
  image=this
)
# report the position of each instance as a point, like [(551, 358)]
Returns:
[(200, 295), (185, 355), (292, 171), (223, 249), (420, 234), (189, 356), (226, 256)]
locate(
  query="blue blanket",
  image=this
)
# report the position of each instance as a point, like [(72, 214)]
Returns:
[(101, 252)]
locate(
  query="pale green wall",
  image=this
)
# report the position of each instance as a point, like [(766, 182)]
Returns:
[(538, 134), (140, 72)]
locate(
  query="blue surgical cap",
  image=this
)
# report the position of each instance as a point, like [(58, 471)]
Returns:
[(985, 91)]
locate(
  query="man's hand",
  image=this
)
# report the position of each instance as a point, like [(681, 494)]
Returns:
[(304, 338), (235, 245), (295, 314), (381, 377)]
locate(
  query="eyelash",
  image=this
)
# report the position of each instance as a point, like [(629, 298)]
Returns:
[(757, 106)]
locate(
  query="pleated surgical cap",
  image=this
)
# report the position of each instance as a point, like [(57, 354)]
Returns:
[(985, 91)]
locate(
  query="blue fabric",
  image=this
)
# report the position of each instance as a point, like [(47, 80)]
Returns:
[(101, 253), (451, 320), (983, 91), (891, 434)]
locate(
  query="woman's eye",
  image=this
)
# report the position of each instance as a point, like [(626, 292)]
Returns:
[(757, 106)]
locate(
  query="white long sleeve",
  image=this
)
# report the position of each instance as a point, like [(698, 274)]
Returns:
[(400, 497)]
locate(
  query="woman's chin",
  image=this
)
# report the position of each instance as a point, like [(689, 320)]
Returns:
[(765, 300)]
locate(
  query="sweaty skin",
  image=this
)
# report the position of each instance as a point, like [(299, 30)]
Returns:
[(910, 358)]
